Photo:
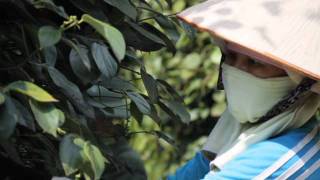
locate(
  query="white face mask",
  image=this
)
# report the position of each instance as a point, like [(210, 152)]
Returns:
[(250, 97)]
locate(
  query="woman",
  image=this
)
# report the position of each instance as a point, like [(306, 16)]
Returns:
[(268, 130)]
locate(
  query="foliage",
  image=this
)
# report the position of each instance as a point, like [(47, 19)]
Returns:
[(193, 72), (68, 87)]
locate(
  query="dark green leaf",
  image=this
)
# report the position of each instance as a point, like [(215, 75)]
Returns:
[(169, 44), (151, 85), (94, 10), (105, 98), (48, 4), (70, 153), (48, 116), (104, 60), (49, 36), (136, 113), (168, 27), (121, 112), (50, 55), (25, 117), (180, 110), (8, 118), (72, 91), (170, 90), (154, 114), (146, 33), (81, 64), (2, 98), (110, 33), (117, 83), (125, 7), (31, 90), (138, 40), (165, 137), (140, 102)]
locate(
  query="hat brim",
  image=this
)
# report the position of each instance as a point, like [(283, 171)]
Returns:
[(233, 41)]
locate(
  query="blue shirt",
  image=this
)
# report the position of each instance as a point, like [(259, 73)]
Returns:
[(292, 155)]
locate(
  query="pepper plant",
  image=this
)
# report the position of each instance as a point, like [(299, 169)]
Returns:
[(69, 85)]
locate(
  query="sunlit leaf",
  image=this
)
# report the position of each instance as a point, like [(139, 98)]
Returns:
[(96, 159), (110, 34), (31, 90), (48, 116)]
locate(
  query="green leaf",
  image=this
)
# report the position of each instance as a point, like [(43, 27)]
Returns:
[(136, 113), (165, 137), (180, 110), (25, 117), (50, 55), (2, 98), (138, 40), (70, 153), (48, 4), (72, 91), (151, 85), (169, 44), (168, 26), (125, 7), (140, 102), (117, 83), (110, 33), (146, 33), (96, 159), (81, 64), (49, 36), (104, 97), (104, 60), (9, 116), (48, 116), (31, 90), (170, 90)]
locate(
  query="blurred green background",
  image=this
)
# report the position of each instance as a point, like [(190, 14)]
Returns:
[(193, 72)]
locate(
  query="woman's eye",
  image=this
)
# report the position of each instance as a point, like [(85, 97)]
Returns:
[(231, 55), (254, 62)]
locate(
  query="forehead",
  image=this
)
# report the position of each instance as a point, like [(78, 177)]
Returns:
[(227, 47)]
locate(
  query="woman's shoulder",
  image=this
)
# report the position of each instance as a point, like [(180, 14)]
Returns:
[(290, 155)]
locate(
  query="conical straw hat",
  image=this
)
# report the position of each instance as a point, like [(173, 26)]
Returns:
[(283, 33)]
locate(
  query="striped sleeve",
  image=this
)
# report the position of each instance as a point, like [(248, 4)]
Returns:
[(290, 156)]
